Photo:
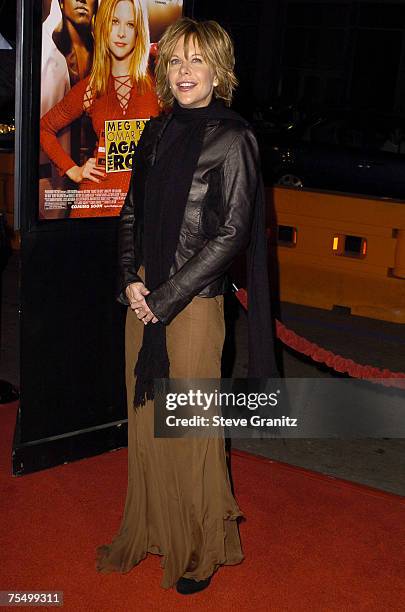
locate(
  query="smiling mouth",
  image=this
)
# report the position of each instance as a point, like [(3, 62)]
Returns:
[(185, 85), (81, 9)]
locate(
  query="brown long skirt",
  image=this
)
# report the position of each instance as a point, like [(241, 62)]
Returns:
[(179, 500)]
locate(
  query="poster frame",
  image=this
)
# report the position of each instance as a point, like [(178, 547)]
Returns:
[(72, 387)]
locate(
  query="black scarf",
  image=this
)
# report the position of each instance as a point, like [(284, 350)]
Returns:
[(261, 332), (166, 193)]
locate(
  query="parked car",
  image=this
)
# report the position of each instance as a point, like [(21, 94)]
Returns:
[(358, 153)]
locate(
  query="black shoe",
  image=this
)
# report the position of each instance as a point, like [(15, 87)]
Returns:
[(188, 586)]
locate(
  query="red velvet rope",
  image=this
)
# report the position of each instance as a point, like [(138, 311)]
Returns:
[(336, 362)]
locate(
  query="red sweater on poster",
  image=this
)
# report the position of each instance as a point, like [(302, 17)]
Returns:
[(119, 103)]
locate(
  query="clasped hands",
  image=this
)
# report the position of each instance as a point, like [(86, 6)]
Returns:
[(136, 293)]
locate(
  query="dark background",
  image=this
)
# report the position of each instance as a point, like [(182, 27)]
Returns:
[(321, 54), (7, 63), (8, 19)]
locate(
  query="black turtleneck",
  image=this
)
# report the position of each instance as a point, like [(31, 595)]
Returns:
[(179, 124)]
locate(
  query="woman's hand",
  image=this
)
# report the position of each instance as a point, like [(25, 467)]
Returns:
[(136, 293), (89, 171)]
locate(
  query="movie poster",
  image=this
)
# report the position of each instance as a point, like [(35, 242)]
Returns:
[(87, 139)]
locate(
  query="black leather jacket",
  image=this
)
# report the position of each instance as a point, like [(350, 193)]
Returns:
[(217, 220)]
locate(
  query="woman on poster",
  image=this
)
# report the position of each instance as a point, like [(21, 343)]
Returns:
[(118, 87), (196, 202)]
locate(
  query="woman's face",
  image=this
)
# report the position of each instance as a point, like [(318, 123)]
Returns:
[(191, 79), (122, 35)]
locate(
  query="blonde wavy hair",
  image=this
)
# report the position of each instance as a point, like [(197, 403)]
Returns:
[(215, 46), (101, 68)]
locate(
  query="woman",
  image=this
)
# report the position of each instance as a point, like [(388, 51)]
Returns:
[(118, 87), (194, 204)]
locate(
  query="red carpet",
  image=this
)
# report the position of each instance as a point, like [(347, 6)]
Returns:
[(312, 543)]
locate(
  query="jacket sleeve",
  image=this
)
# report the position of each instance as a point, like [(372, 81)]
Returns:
[(240, 181), (130, 224)]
